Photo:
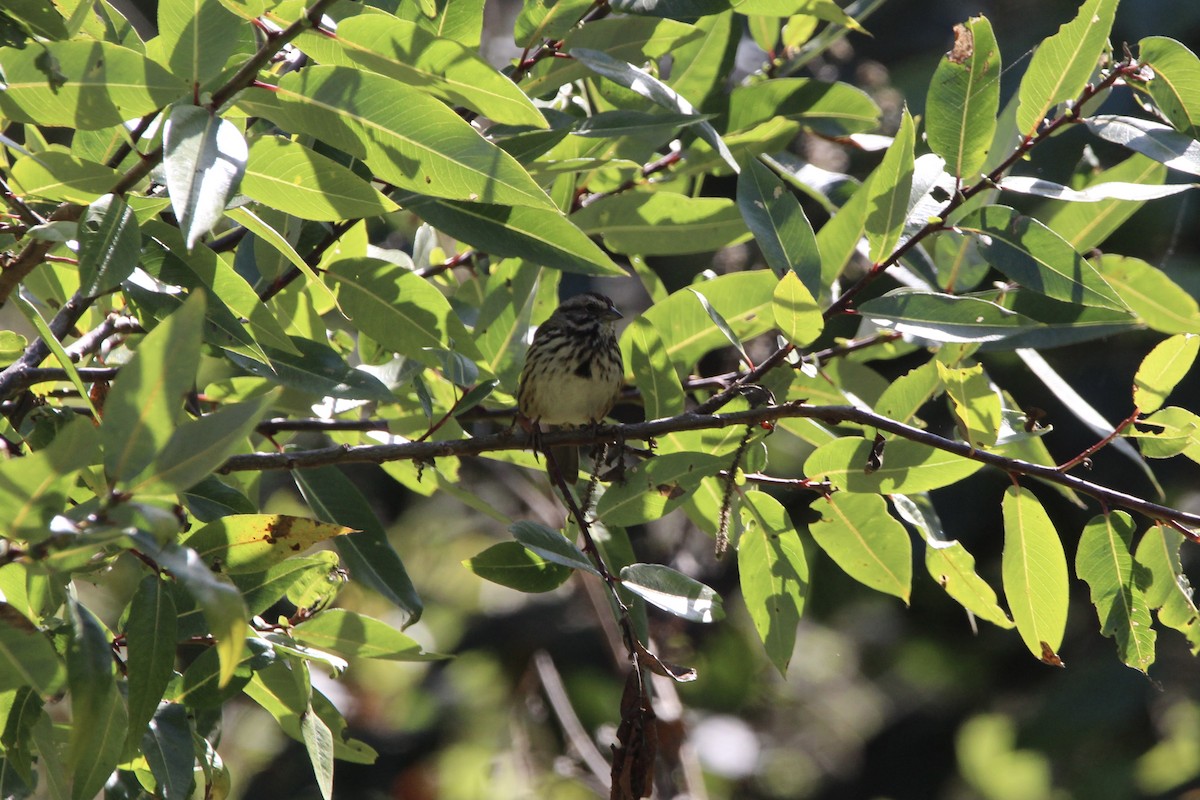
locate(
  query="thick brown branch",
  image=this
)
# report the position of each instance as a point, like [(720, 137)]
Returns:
[(518, 440)]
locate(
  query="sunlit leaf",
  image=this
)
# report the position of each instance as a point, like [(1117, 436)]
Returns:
[(964, 97), (859, 534), (1103, 560), (673, 592), (1162, 370), (773, 574), (1035, 573)]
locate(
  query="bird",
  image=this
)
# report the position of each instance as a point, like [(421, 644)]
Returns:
[(573, 372)]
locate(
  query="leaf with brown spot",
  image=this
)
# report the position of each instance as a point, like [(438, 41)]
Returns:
[(254, 542)]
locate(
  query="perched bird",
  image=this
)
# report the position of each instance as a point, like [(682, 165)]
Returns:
[(573, 371)]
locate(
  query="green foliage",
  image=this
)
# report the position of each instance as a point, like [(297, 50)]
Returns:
[(229, 259)]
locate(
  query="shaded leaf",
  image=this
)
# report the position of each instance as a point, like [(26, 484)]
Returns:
[(783, 233), (550, 545), (773, 574), (204, 159), (1159, 142), (511, 564)]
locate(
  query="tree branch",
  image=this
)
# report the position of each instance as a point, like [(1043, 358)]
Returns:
[(519, 440)]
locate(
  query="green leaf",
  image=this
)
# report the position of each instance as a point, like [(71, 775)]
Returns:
[(1063, 63), (743, 299), (1171, 431), (290, 177), (269, 236), (949, 563), (796, 313), (964, 98), (773, 573), (369, 556), (370, 116), (1036, 257), (1087, 226), (1156, 299), (656, 379), (318, 741), (275, 689), (98, 718), (56, 175), (1175, 87), (976, 404), (1162, 370), (204, 158), (890, 186), (109, 245), (254, 542), (1093, 193), (1160, 142), (442, 67), (1035, 574), (147, 398), (550, 545), (907, 467), (673, 592), (650, 87), (150, 634), (319, 572), (95, 85), (37, 487), (51, 341), (780, 228), (1164, 583), (199, 446), (354, 635), (904, 396), (663, 223), (26, 656), (399, 309), (167, 745), (511, 564), (43, 19), (546, 19), (1104, 562), (543, 236), (945, 318), (829, 109), (674, 9), (655, 487), (859, 534), (197, 37), (315, 369)]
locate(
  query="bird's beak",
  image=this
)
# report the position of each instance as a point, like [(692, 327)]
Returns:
[(611, 314)]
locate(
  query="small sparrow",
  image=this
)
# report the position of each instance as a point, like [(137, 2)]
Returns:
[(573, 371)]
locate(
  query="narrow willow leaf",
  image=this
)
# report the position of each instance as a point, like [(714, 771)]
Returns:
[(273, 238), (663, 223), (37, 487), (826, 10), (656, 379), (1103, 560), (907, 467), (1159, 142), (150, 635), (353, 635), (949, 563), (551, 545), (796, 313), (722, 326), (976, 404), (773, 574), (290, 177), (147, 398), (1063, 63), (105, 84), (653, 89), (1035, 574), (945, 318), (546, 19), (109, 245), (315, 369), (197, 37), (831, 109), (783, 233), (543, 236), (253, 542), (655, 487), (964, 98), (167, 745), (204, 159), (318, 741), (859, 534), (890, 186), (56, 348), (98, 717), (1175, 87), (371, 117), (511, 564), (1156, 299), (1093, 193), (673, 592), (1162, 370), (1086, 226), (1037, 258), (369, 555)]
